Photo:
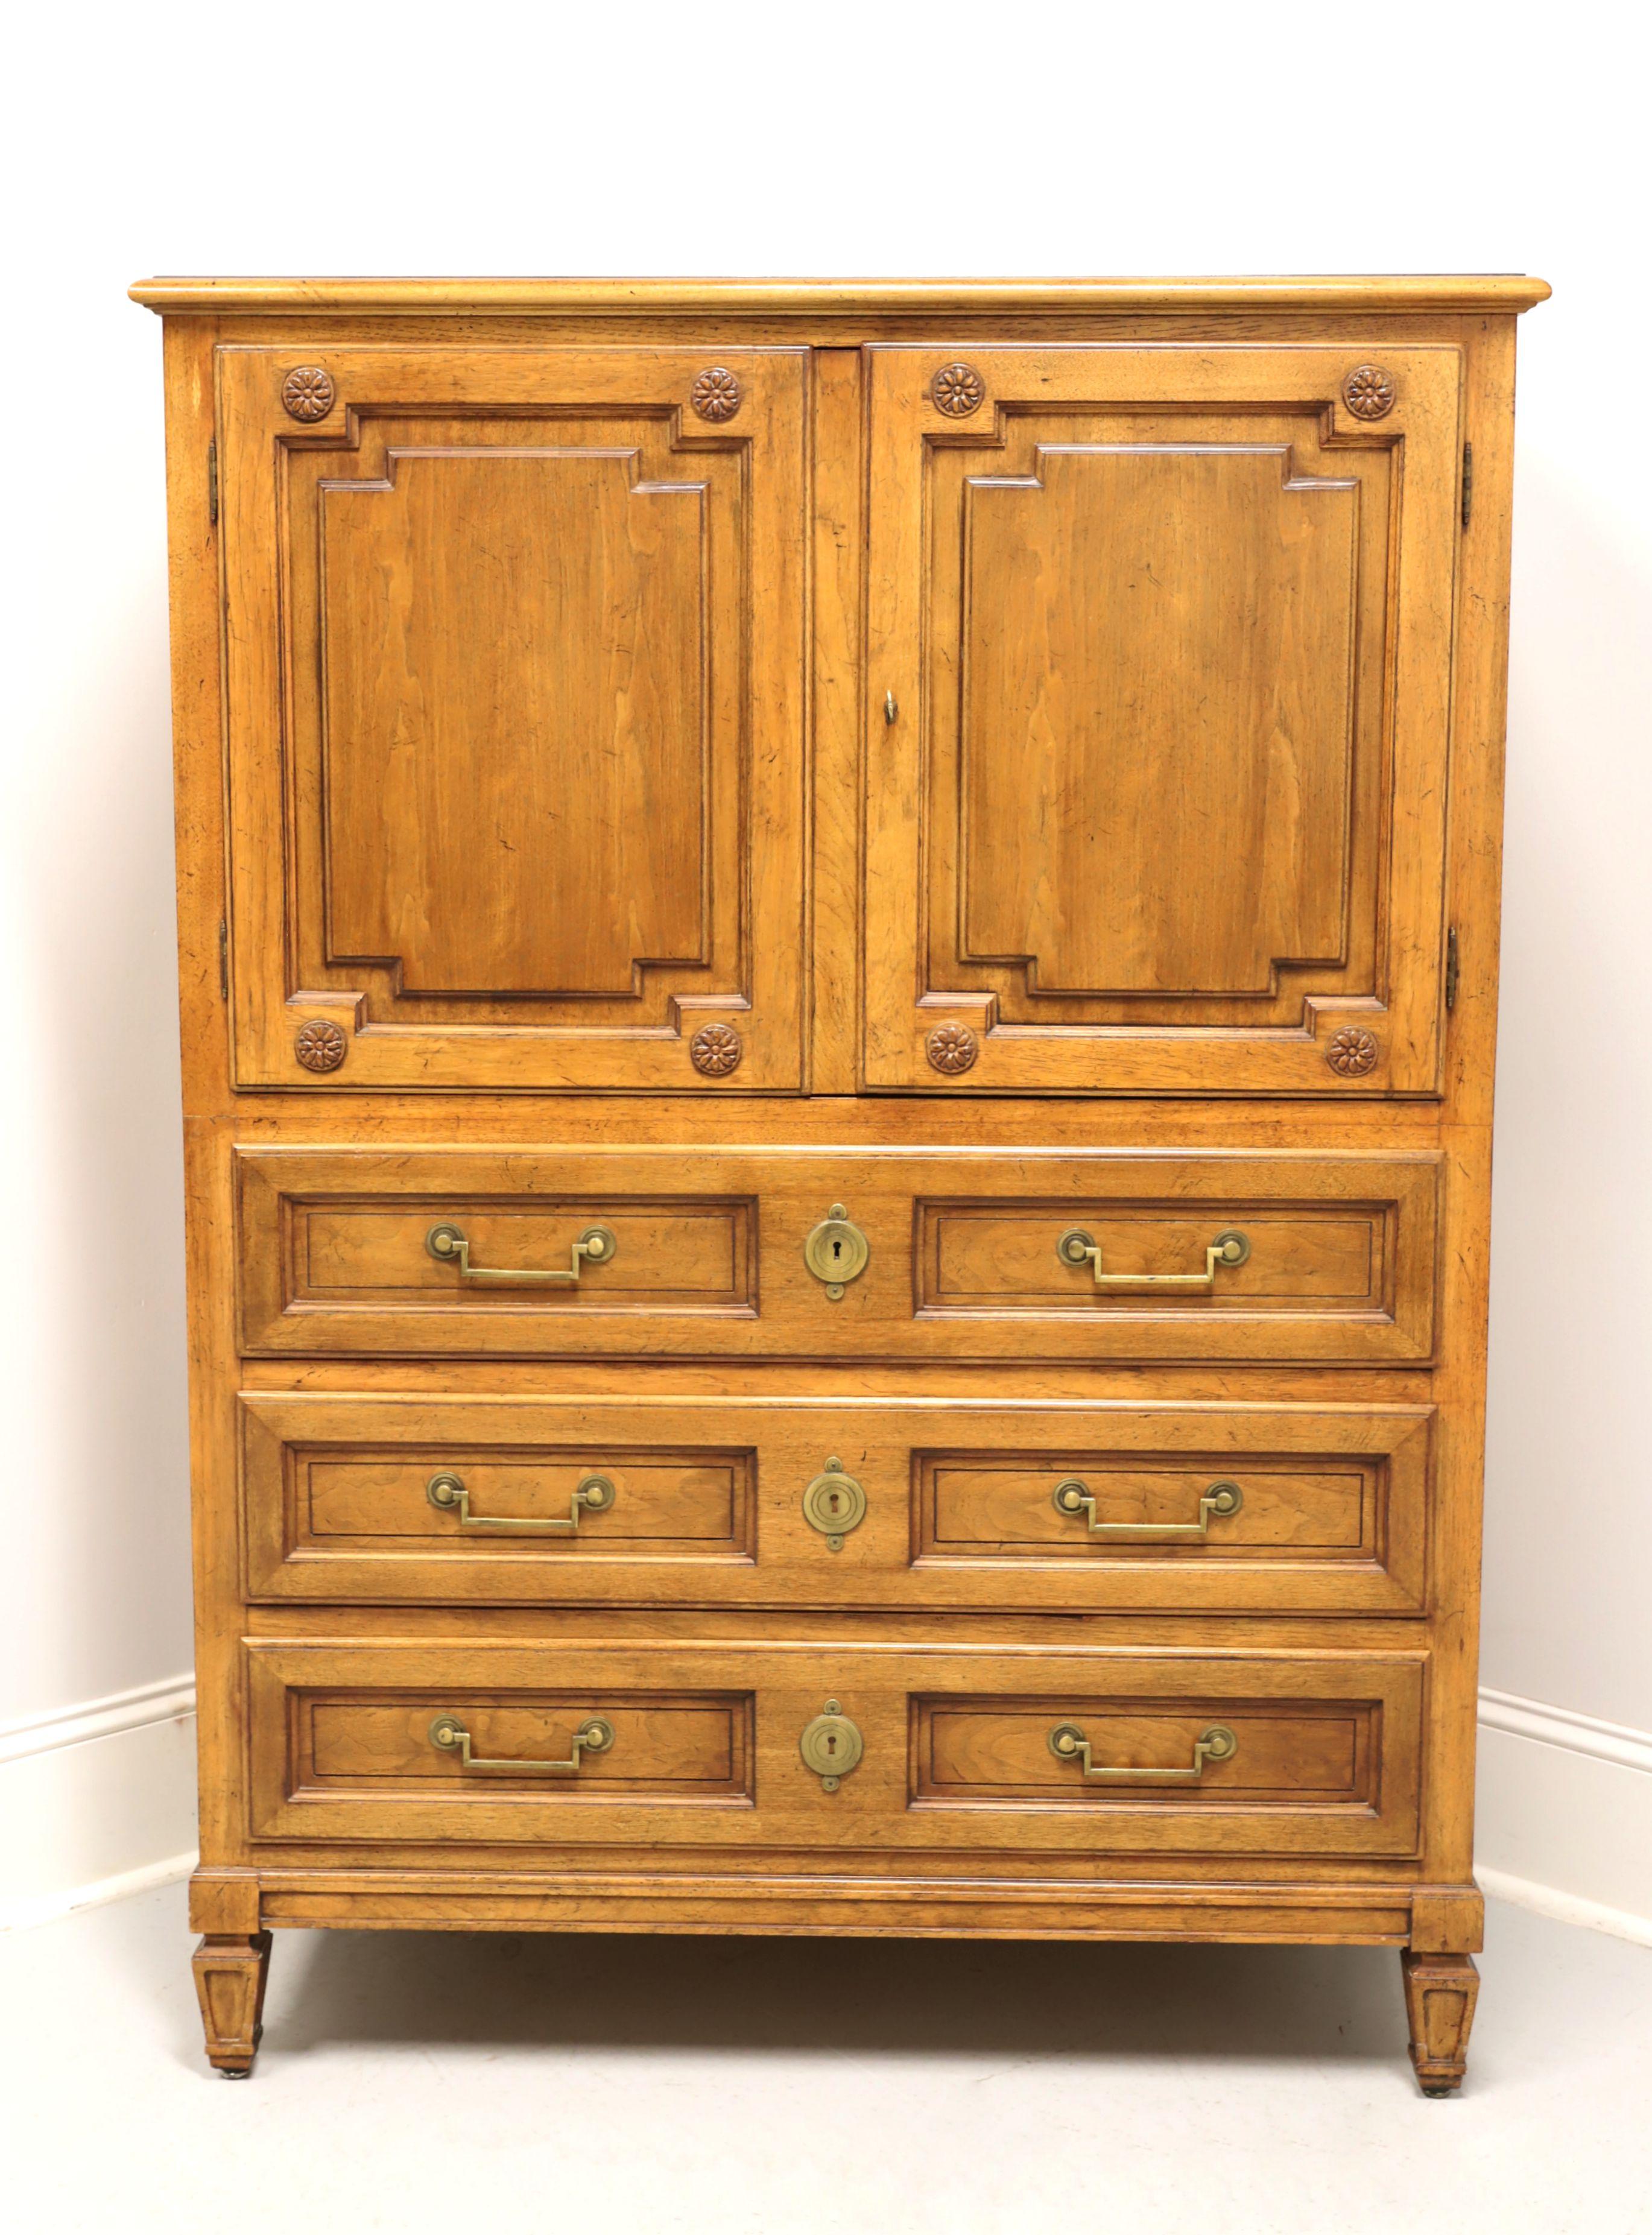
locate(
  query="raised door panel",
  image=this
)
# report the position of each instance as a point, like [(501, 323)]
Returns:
[(1158, 687), (516, 716)]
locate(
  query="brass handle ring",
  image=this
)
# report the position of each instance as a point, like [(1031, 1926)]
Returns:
[(1078, 1247), (595, 1245), (594, 1735), (447, 1492), (1068, 1743), (1220, 1500)]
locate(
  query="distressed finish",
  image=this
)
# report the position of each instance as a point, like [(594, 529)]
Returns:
[(1019, 761)]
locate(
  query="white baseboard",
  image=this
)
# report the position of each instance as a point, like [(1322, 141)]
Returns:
[(1569, 1909), (100, 1802), (1564, 1727), (98, 1718), (1564, 1815), (16, 1913), (96, 1801)]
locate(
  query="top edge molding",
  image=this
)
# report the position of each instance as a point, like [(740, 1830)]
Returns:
[(802, 298)]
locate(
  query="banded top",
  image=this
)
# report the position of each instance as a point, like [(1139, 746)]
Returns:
[(802, 298)]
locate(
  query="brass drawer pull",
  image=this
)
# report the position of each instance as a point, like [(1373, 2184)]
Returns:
[(447, 1493), (1078, 1247), (593, 1736), (1218, 1743), (596, 1245), (1222, 1499)]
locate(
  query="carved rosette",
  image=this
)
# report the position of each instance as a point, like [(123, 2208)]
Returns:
[(716, 395), (1368, 391), (320, 1044), (307, 392), (1352, 1051), (716, 1050), (957, 389), (951, 1048)]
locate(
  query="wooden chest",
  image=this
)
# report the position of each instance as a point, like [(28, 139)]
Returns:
[(839, 958)]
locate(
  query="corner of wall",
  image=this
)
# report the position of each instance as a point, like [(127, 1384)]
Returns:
[(97, 1801)]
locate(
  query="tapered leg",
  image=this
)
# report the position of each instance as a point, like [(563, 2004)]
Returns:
[(1441, 1991), (230, 1969)]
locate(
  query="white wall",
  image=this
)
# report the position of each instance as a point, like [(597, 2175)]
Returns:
[(895, 138)]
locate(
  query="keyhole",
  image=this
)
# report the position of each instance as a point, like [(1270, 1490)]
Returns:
[(831, 1742), (837, 1250)]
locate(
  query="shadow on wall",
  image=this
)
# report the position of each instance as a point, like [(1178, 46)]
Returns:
[(1570, 1327), (103, 1330)]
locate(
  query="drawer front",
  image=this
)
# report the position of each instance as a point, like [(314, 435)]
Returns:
[(736, 1501), (681, 1252), (707, 1743)]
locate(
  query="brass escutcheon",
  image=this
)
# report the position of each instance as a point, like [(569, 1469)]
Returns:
[(830, 1746), (837, 1251), (834, 1503)]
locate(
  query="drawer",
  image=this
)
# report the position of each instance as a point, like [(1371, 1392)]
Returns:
[(687, 1743), (682, 1252), (933, 1504)]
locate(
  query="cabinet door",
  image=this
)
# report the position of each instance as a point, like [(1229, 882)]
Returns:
[(1157, 696), (513, 650)]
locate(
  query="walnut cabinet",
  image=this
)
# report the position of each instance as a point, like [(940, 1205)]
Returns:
[(838, 973)]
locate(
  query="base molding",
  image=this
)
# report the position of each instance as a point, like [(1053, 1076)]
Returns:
[(1569, 1908), (1431, 1918)]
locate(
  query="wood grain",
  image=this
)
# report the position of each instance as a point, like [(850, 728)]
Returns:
[(1121, 752), (459, 609), (1167, 812), (517, 781), (1441, 1994), (514, 661), (230, 1972), (338, 1735), (708, 1506), (469, 297), (963, 1262)]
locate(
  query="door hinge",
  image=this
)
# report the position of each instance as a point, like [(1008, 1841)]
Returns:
[(223, 959), (1468, 481), (1450, 966), (211, 483)]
